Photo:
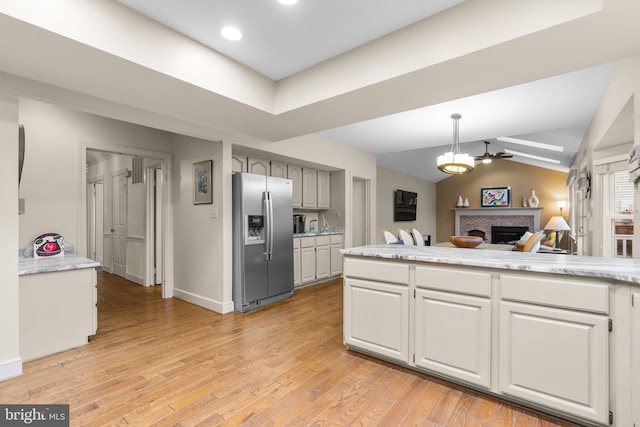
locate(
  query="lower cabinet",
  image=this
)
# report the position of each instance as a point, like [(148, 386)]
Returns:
[(336, 256), (453, 335), (317, 258), (635, 355), (307, 260), (297, 273), (378, 319), (323, 258), (556, 358)]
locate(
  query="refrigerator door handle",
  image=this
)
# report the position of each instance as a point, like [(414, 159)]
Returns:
[(270, 229), (267, 223)]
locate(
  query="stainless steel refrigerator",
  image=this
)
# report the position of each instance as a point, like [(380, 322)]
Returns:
[(262, 240)]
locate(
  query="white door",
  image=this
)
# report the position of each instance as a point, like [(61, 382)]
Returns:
[(158, 239), (119, 225), (99, 222)]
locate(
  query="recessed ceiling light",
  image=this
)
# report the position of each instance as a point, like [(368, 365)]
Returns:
[(231, 33), (288, 2)]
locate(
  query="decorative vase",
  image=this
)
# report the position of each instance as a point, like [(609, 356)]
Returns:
[(459, 204), (524, 202), (533, 199), (466, 203)]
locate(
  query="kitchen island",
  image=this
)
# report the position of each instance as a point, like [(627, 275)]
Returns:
[(557, 333), (57, 302)]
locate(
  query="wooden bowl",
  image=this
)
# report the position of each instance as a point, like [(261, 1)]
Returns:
[(466, 241)]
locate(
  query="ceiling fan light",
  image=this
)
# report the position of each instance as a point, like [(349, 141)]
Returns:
[(486, 161)]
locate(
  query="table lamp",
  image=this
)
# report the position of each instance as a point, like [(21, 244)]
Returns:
[(558, 225)]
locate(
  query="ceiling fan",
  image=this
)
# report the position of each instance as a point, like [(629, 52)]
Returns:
[(487, 157)]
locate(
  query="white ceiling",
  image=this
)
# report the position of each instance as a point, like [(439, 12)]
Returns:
[(282, 40)]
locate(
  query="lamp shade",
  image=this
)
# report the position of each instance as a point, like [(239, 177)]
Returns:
[(557, 223)]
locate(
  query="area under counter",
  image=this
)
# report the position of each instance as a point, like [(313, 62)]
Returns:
[(57, 302)]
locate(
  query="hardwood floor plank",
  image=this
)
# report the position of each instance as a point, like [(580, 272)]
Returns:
[(166, 362)]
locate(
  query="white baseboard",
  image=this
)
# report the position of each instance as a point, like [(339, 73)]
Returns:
[(135, 279), (217, 306), (10, 368)]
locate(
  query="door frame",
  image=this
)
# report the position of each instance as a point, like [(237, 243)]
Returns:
[(153, 251), (115, 242), (95, 230), (165, 162), (367, 208)]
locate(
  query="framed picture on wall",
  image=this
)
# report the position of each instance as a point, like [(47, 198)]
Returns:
[(492, 197), (202, 182)]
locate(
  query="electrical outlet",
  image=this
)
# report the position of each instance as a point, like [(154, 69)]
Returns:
[(214, 213)]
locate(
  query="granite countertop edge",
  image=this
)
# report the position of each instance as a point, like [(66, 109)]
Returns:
[(622, 269), (30, 265), (317, 233)]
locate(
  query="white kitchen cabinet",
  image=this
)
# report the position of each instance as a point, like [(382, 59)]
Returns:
[(336, 256), (307, 260), (258, 166), (239, 162), (376, 307), (323, 257), (557, 358), (377, 317), (294, 173), (279, 170), (324, 190), (297, 274), (453, 335), (309, 188)]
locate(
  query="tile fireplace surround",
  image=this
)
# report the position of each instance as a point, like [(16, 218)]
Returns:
[(484, 218)]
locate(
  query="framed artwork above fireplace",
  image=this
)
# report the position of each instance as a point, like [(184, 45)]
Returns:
[(492, 197)]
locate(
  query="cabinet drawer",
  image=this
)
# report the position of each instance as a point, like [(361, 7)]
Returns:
[(296, 243), (556, 292), (336, 238), (307, 242), (323, 240), (379, 271), (454, 280)]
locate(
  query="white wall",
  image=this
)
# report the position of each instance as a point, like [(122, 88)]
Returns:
[(51, 177), (10, 363), (200, 260), (388, 181)]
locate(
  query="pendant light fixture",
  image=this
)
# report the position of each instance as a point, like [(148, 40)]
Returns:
[(455, 162)]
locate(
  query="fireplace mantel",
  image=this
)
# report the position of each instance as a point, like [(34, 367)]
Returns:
[(534, 213)]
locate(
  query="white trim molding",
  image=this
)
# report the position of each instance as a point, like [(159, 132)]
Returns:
[(10, 368)]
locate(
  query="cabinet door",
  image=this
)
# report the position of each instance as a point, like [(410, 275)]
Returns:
[(294, 173), (556, 358), (278, 169), (258, 166), (297, 273), (323, 262), (336, 260), (453, 335), (309, 188), (308, 265), (376, 318), (238, 162), (324, 189)]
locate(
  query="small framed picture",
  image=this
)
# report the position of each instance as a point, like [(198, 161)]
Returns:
[(493, 197), (202, 182)]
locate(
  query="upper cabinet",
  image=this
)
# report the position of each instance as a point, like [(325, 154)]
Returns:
[(239, 162), (294, 173), (258, 166), (278, 169), (309, 188), (324, 189)]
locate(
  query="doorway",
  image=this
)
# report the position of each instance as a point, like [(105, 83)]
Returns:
[(360, 212), (126, 204)]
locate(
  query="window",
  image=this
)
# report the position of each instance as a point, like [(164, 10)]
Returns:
[(622, 215)]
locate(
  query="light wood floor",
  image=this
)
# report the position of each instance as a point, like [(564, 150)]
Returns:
[(168, 362)]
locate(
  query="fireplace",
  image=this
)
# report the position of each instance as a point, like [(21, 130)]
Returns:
[(506, 234), (485, 218)]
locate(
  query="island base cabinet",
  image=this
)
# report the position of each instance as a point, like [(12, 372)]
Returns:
[(376, 318), (635, 357), (453, 335), (556, 358)]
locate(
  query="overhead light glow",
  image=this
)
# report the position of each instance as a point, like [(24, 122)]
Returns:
[(531, 156), (231, 33), (540, 145), (454, 162), (288, 2)]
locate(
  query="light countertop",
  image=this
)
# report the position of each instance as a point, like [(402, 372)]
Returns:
[(30, 265), (317, 233), (623, 269)]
